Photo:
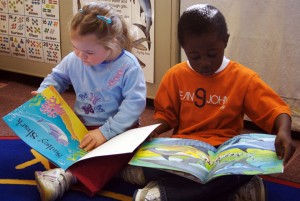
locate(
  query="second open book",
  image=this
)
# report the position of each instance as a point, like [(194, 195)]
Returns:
[(248, 154)]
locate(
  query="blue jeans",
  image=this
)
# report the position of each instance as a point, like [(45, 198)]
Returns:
[(177, 188)]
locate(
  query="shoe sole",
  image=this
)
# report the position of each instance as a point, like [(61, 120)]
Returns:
[(40, 187), (148, 186), (262, 193)]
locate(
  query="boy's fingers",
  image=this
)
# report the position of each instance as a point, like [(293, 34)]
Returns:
[(288, 153), (279, 150)]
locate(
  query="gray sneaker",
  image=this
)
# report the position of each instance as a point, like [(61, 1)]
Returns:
[(254, 190), (133, 174), (149, 193)]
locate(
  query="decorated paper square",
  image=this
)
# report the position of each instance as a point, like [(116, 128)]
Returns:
[(34, 27), (4, 6), (4, 45), (16, 7), (51, 30), (51, 52), (17, 47), (50, 9), (35, 50), (3, 23), (16, 25), (33, 8)]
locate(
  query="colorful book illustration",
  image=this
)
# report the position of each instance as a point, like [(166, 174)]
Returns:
[(49, 125), (247, 154)]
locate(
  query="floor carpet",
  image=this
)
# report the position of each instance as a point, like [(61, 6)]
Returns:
[(280, 190), (19, 161), (17, 183)]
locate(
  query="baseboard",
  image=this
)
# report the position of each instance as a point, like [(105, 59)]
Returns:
[(280, 181)]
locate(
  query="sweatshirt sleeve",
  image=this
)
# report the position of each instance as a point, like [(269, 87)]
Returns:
[(58, 77), (263, 104), (167, 101), (132, 105)]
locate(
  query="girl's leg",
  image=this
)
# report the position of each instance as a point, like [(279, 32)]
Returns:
[(92, 174), (89, 176)]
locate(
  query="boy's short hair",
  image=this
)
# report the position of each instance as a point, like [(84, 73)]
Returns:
[(200, 19)]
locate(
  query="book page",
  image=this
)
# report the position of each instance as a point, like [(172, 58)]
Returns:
[(189, 156), (123, 143), (49, 125), (247, 154)]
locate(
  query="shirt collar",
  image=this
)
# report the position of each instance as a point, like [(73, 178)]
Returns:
[(222, 67)]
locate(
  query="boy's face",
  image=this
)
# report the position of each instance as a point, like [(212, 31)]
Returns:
[(88, 50), (205, 52)]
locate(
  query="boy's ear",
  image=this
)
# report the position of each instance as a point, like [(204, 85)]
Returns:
[(226, 41)]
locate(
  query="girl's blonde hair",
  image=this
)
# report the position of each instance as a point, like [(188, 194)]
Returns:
[(110, 28)]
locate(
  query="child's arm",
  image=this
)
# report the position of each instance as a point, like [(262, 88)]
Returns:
[(163, 127), (131, 107), (284, 144)]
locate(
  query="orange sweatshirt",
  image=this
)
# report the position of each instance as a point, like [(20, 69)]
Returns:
[(212, 108)]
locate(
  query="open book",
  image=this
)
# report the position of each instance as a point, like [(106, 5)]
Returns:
[(247, 154), (49, 125)]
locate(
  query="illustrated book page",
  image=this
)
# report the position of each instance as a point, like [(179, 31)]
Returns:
[(247, 154)]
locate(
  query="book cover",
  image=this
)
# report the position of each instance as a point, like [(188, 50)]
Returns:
[(49, 125), (248, 154)]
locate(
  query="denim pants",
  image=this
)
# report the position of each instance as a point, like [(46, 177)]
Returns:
[(177, 188)]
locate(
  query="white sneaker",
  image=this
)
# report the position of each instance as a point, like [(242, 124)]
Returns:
[(133, 175), (149, 193), (52, 183), (254, 190)]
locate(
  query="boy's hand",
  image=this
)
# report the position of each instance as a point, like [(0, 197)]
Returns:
[(163, 127), (283, 143), (284, 146), (92, 139), (152, 135)]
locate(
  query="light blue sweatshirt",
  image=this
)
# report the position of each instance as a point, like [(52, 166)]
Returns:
[(111, 95)]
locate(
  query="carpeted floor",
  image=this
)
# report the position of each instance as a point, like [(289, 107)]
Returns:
[(18, 163)]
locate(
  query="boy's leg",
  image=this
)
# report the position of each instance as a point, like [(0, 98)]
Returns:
[(174, 187), (253, 190)]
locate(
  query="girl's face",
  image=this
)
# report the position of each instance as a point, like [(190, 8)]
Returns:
[(205, 52), (88, 50)]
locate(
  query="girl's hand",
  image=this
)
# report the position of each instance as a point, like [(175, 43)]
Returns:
[(92, 139), (34, 93)]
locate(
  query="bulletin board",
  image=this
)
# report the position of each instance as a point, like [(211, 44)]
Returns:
[(162, 55), (139, 15), (30, 29)]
